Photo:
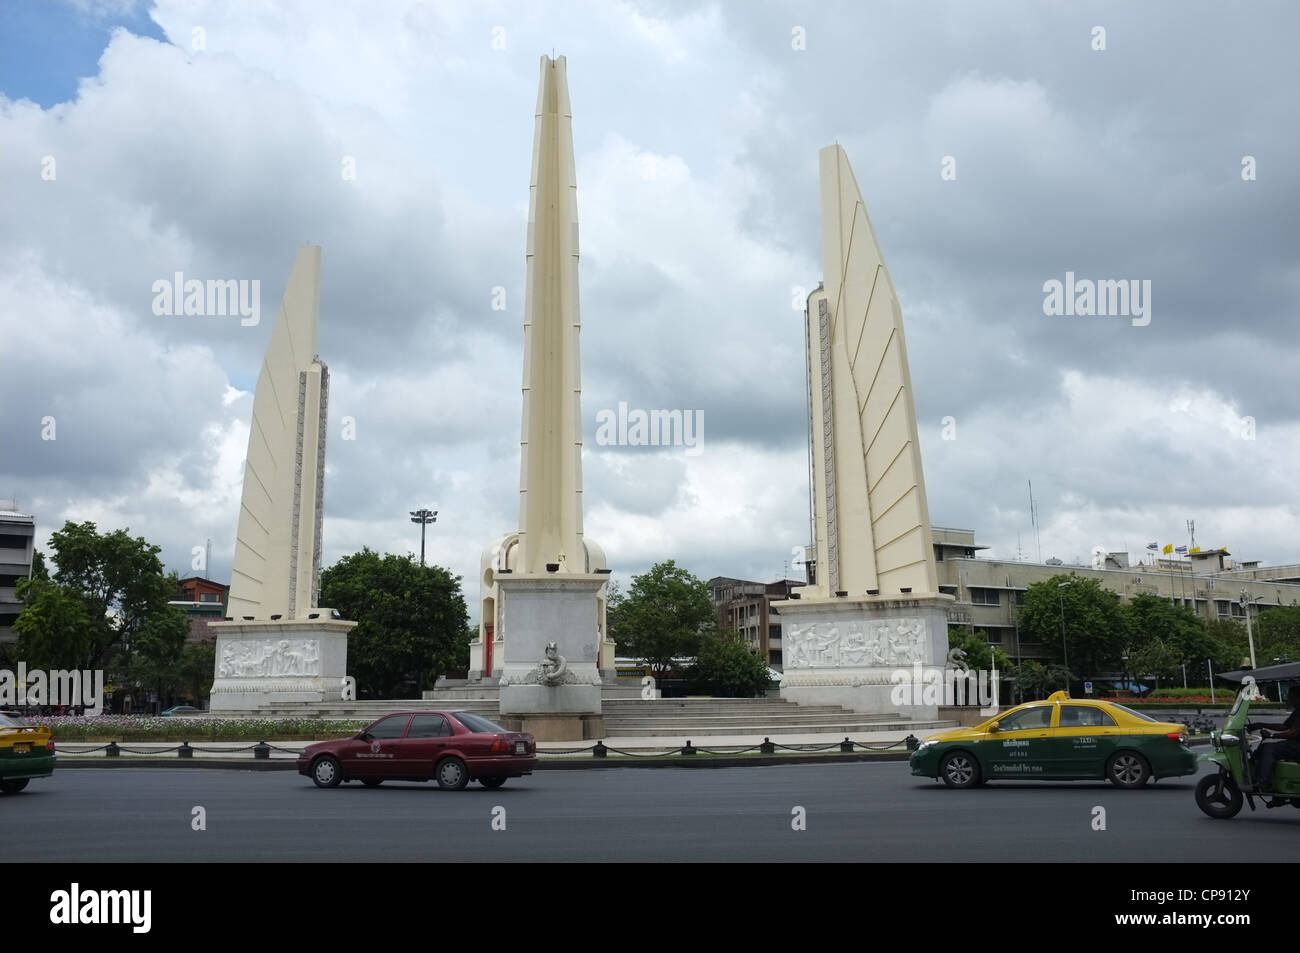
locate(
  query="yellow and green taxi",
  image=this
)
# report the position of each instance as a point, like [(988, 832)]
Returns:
[(1060, 739), (26, 752)]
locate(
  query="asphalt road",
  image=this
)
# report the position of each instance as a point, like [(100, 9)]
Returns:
[(854, 812)]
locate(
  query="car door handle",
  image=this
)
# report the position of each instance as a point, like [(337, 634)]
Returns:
[(442, 744)]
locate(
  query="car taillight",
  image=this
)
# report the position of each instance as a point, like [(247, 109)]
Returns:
[(502, 746), (49, 746), (1177, 736)]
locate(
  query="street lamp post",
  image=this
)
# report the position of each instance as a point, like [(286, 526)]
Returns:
[(424, 517), (1250, 638), (1065, 654)]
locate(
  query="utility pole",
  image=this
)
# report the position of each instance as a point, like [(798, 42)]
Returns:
[(424, 517)]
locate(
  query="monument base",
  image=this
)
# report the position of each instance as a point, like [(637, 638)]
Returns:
[(261, 663), (863, 654), (536, 611), (557, 727)]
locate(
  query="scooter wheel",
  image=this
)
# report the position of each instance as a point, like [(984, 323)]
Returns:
[(1218, 796)]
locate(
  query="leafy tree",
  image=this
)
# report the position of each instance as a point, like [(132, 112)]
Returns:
[(978, 654), (1096, 630), (1278, 635), (413, 623), (108, 591), (39, 571), (1034, 680), (1157, 659), (1165, 638), (663, 616), (56, 629), (729, 667), (156, 656), (1233, 648), (194, 670)]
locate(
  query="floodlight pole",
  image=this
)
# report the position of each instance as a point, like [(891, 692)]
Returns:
[(424, 517)]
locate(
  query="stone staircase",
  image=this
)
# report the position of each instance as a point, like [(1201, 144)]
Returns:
[(745, 716), (627, 715)]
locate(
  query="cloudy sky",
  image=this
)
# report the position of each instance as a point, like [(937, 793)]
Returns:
[(139, 139)]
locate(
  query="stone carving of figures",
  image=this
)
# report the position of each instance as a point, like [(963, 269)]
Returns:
[(875, 653), (293, 657), (854, 648), (918, 641), (830, 645), (310, 657), (889, 643)]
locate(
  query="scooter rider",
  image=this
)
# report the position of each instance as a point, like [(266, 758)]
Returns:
[(1286, 745)]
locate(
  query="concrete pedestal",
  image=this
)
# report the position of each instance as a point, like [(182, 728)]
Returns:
[(857, 653), (288, 660), (537, 610), (559, 727)]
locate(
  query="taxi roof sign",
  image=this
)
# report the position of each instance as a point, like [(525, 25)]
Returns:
[(1059, 697)]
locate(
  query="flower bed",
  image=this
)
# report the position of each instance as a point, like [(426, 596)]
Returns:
[(148, 728)]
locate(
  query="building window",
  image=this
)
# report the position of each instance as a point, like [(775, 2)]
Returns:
[(985, 597), (1223, 606), (994, 636), (209, 597), (1238, 610), (1020, 597)]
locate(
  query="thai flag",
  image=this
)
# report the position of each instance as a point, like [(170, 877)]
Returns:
[(1181, 550), (1153, 546)]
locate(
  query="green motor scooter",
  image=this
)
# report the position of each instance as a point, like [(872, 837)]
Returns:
[(1219, 795)]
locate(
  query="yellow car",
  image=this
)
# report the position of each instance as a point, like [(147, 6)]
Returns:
[(26, 752), (1060, 739)]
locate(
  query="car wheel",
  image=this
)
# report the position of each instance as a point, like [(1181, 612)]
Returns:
[(13, 787), (372, 782), (326, 772), (960, 770), (452, 774), (1127, 769), (1218, 796), (491, 782)]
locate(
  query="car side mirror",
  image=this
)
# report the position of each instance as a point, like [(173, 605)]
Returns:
[(994, 727), (364, 736)]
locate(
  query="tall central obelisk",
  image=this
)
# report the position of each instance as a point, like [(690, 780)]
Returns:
[(546, 583), (550, 460)]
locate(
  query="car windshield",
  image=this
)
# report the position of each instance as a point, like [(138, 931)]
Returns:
[(1135, 714), (477, 723)]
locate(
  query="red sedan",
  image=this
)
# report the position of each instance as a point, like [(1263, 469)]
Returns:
[(451, 747)]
